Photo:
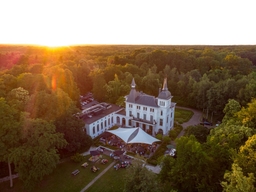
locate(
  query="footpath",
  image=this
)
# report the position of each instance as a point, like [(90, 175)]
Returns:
[(98, 176)]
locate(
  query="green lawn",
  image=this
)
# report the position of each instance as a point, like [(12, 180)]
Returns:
[(112, 180), (182, 115), (61, 179)]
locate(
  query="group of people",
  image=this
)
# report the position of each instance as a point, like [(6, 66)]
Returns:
[(123, 164), (104, 161)]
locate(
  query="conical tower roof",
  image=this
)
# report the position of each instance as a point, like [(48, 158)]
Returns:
[(164, 93)]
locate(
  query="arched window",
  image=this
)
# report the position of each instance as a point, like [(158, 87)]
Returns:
[(118, 120), (123, 121)]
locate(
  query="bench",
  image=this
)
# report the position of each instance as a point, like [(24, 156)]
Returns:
[(75, 172)]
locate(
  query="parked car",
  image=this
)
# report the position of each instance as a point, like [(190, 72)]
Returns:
[(206, 123)]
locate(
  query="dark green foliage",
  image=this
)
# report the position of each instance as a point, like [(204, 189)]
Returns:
[(37, 154), (153, 160), (72, 128), (173, 133), (77, 158), (200, 132), (140, 179)]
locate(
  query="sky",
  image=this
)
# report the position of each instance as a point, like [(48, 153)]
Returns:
[(157, 22)]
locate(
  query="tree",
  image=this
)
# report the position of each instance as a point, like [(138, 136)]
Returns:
[(200, 132), (246, 157), (247, 115), (167, 163), (59, 77), (150, 83), (237, 65), (199, 92), (237, 182), (230, 110), (98, 85), (115, 89), (37, 154), (229, 136), (18, 98), (32, 82), (10, 82), (9, 132), (72, 129), (140, 179), (194, 174), (49, 105)]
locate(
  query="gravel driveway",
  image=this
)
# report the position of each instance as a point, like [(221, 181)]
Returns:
[(194, 120)]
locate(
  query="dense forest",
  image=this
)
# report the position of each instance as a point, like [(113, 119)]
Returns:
[(40, 89)]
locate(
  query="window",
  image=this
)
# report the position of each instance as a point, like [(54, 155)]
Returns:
[(161, 122), (138, 115), (98, 128), (93, 130), (118, 120), (101, 125), (151, 110), (138, 107), (161, 113), (144, 116), (105, 123), (171, 115), (130, 105), (144, 108), (130, 113), (162, 103), (151, 117)]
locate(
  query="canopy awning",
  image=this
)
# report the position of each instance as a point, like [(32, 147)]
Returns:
[(134, 135)]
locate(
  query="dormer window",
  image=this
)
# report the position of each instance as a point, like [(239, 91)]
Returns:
[(162, 103)]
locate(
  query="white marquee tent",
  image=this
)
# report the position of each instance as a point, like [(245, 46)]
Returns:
[(133, 135)]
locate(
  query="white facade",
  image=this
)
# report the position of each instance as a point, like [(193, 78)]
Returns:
[(151, 114), (100, 118)]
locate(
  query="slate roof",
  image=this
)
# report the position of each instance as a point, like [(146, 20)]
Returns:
[(148, 100), (165, 93), (140, 97), (89, 120)]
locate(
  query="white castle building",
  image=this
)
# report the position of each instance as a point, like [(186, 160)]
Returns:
[(153, 115)]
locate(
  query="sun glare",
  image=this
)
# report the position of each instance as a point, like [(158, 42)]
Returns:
[(53, 41), (53, 44)]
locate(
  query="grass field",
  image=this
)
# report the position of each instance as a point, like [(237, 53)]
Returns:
[(112, 180), (182, 115), (61, 179)]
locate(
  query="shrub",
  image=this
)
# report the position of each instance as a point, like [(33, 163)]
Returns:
[(175, 131), (166, 139), (159, 136), (77, 158)]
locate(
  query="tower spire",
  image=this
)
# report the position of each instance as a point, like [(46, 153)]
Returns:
[(133, 84), (165, 88)]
